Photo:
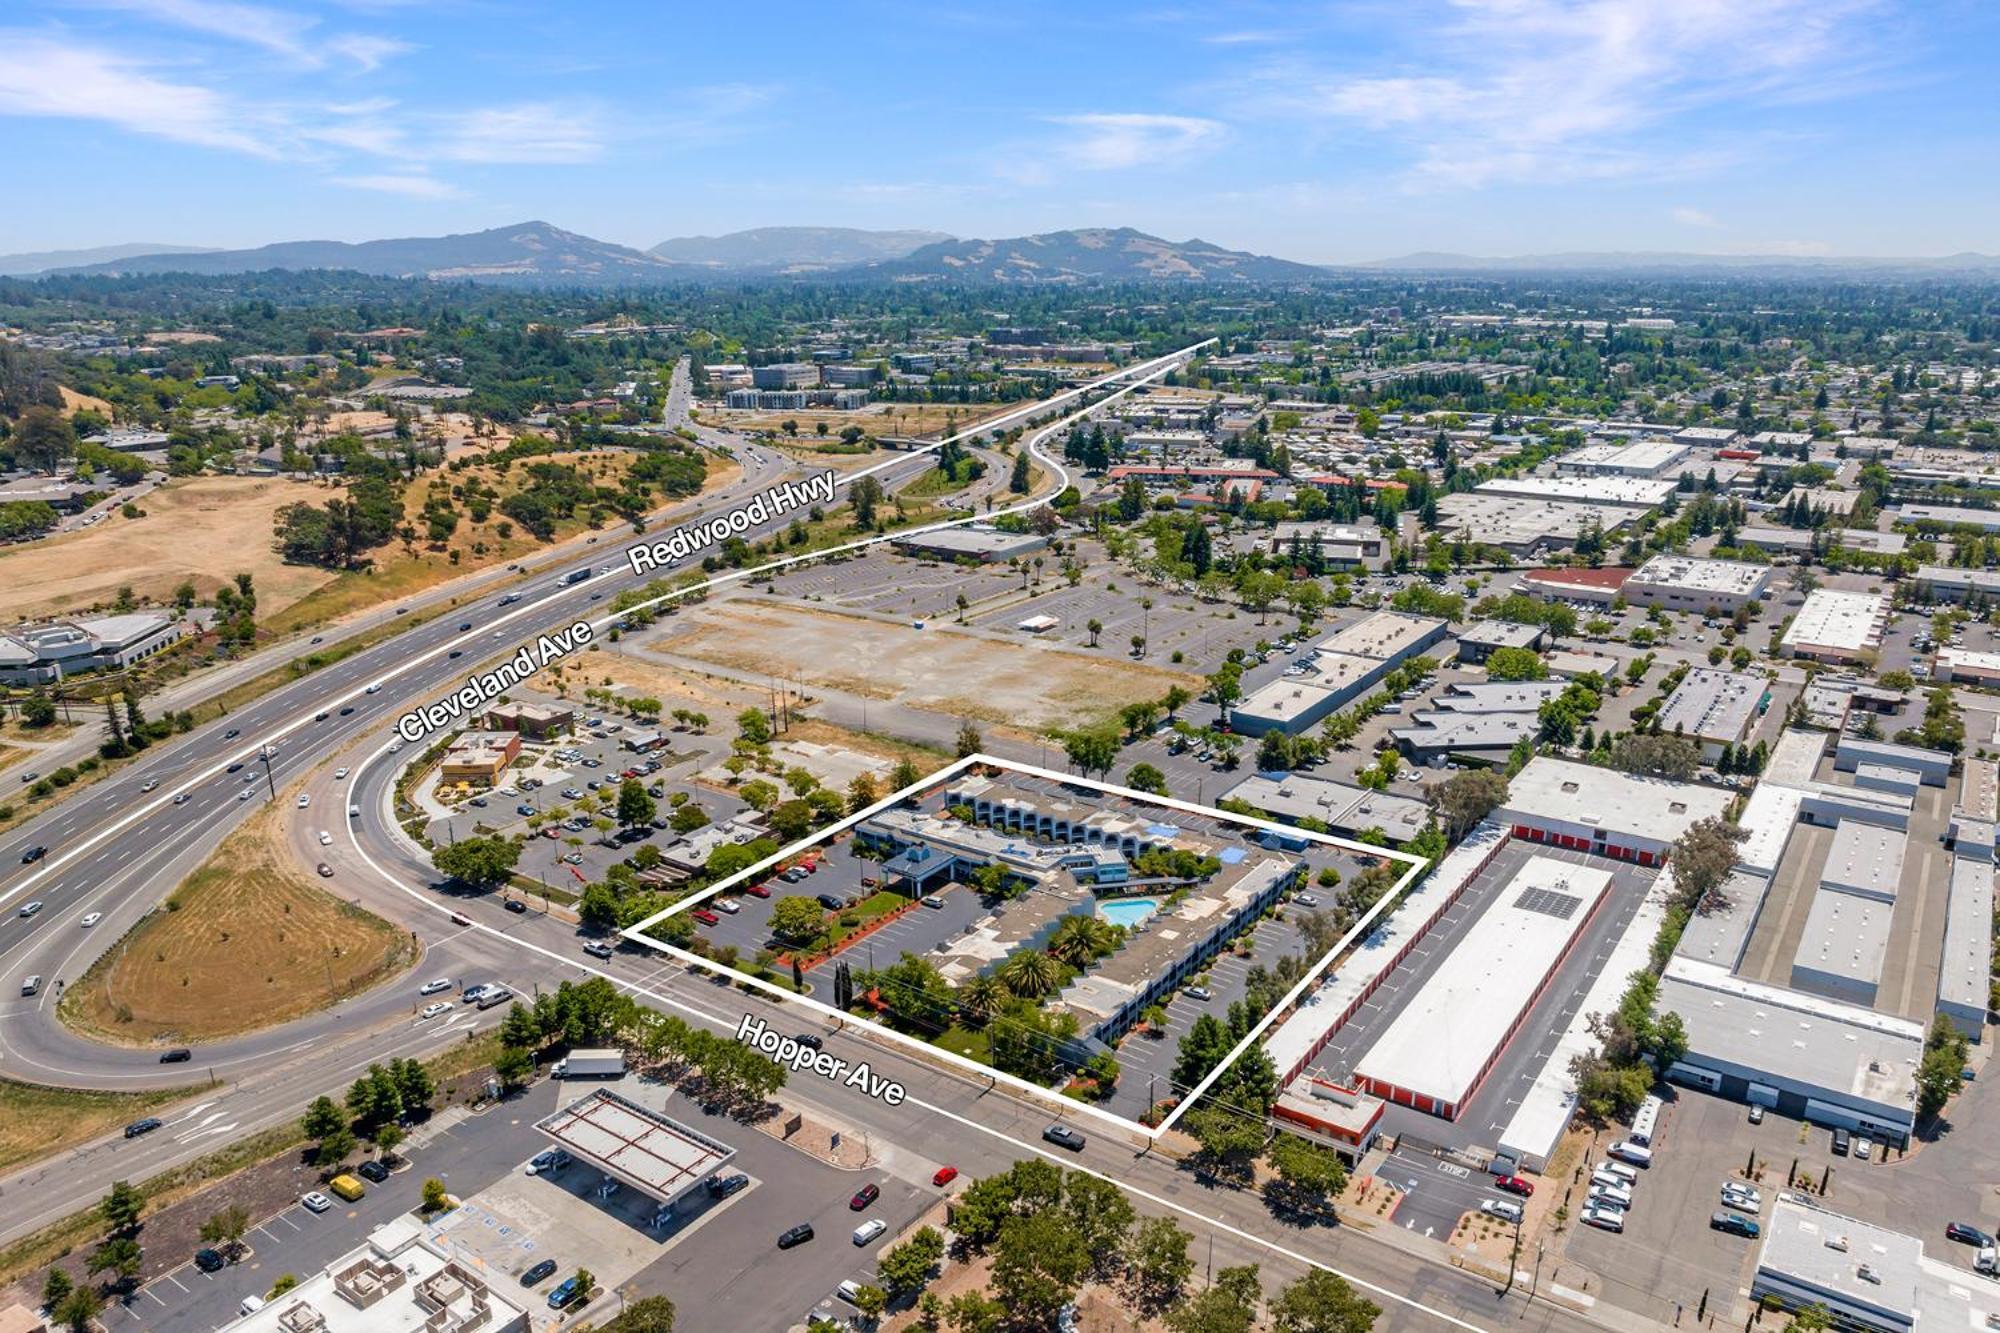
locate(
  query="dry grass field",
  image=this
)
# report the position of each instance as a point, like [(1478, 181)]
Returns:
[(37, 1121), (876, 419), (1028, 685), (204, 528), (247, 942)]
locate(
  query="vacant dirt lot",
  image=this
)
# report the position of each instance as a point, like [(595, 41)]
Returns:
[(204, 528), (251, 942), (1027, 685)]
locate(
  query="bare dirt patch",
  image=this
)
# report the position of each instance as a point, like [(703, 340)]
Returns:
[(74, 402), (206, 529), (1030, 685), (247, 942)]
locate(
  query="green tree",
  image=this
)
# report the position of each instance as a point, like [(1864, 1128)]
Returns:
[(434, 1196), (1515, 664), (1465, 798), (1229, 1306), (478, 863), (56, 1288), (1145, 777), (1039, 1262), (1158, 1259), (635, 807), (122, 1207), (118, 1255), (907, 1268), (797, 920), (79, 1310), (1311, 1175), (225, 1229), (1322, 1302), (754, 726), (513, 1067), (649, 1314)]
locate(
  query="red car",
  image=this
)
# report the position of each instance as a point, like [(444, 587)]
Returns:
[(551, 831), (757, 890), (864, 1196), (1515, 1185), (703, 915), (945, 1175), (810, 867)]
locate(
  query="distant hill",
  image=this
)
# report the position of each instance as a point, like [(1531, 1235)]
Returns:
[(41, 261), (793, 249), (527, 252), (1667, 261), (1092, 255)]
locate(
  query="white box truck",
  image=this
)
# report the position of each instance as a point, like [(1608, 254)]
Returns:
[(591, 1064)]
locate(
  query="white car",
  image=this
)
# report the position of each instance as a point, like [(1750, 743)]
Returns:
[(373, 688), (339, 774), (869, 1230), (1742, 1198), (149, 784), (1603, 1217), (729, 905), (315, 1202), (245, 794), (1504, 1209), (325, 838), (433, 1009), (433, 987), (90, 919), (304, 800), (1618, 1196), (180, 798)]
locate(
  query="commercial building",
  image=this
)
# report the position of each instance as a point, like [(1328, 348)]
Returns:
[(398, 1281), (1836, 626), (1965, 666), (1640, 458), (978, 542), (1344, 666), (1948, 516), (1965, 975), (1478, 738), (655, 1154), (1524, 525), (1851, 752), (1482, 638), (1843, 947), (785, 375), (1942, 583), (1713, 708), (537, 722), (1348, 1116), (1865, 860), (1640, 493), (1448, 1037), (1805, 1056), (1684, 583), (1620, 815), (479, 759), (44, 654), (1336, 545), (1590, 587), (1793, 540), (1706, 437), (1868, 1278), (1344, 809)]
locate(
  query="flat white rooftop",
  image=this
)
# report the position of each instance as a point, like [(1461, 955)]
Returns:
[(1865, 860), (1445, 1037), (1844, 621), (1646, 458), (1846, 939), (1968, 936), (1968, 662), (1652, 808), (1625, 492), (1711, 705), (395, 1282), (641, 1147), (1689, 574)]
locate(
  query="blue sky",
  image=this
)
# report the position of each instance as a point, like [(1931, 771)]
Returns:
[(1326, 133)]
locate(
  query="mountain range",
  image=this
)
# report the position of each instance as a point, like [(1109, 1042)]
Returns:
[(540, 254), (793, 249)]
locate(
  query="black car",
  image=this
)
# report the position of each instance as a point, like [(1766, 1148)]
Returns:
[(146, 1126), (464, 626), (538, 1272), (209, 1261), (33, 854), (721, 1187), (1967, 1233), (321, 716), (231, 734), (516, 905), (1064, 1137), (808, 1040), (798, 1235), (372, 1170), (179, 1055), (454, 653), (236, 767), (345, 711), (830, 903)]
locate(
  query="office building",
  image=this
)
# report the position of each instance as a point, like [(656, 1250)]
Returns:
[(1640, 458), (785, 375), (1713, 708), (1588, 587), (1948, 516), (1479, 640), (44, 654), (1866, 1277), (1943, 583), (398, 1281), (1836, 626), (1343, 667), (1620, 815), (1705, 587), (479, 759), (1641, 493)]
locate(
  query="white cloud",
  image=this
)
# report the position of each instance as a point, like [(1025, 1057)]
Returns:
[(1695, 217), (277, 31), (1542, 91), (409, 184), (1117, 141), (527, 132), (47, 76)]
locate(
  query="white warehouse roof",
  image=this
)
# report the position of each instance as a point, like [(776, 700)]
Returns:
[(1655, 809)]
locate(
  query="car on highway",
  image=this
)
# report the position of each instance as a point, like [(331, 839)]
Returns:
[(30, 908), (797, 1235), (1514, 1185), (339, 774), (90, 919), (545, 1269), (455, 653), (31, 984), (245, 794), (31, 775), (374, 687), (516, 905), (433, 1009), (231, 734), (864, 1196), (347, 710), (236, 767), (150, 784), (305, 799), (1064, 1137), (178, 1055), (721, 1187), (33, 854), (180, 798), (945, 1175), (464, 625), (325, 870), (315, 1202), (869, 1230), (145, 1126)]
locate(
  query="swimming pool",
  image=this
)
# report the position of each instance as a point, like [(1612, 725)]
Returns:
[(1128, 912)]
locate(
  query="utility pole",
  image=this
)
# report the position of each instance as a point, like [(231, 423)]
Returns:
[(269, 781), (1513, 1257)]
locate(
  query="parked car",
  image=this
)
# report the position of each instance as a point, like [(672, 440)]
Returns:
[(1864, 1150), (1742, 1197), (209, 1261), (1514, 1185), (1636, 1153), (721, 1187), (1756, 1114), (869, 1230), (433, 1009), (1504, 1209), (1841, 1142), (1200, 993), (864, 1196), (1967, 1234), (945, 1175), (830, 903), (548, 1162), (544, 1269), (315, 1202), (372, 1170), (1603, 1217), (1735, 1224), (706, 917), (563, 1294), (347, 1187), (1064, 1137), (1618, 1196)]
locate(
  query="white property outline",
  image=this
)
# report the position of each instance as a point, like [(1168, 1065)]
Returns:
[(1147, 371), (1417, 865)]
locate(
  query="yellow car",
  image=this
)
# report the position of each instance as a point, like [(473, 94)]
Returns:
[(347, 1187)]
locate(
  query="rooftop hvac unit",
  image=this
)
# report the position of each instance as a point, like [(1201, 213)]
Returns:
[(1837, 1243)]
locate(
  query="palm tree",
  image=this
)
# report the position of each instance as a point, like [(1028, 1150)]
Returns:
[(982, 996), (1031, 974), (1074, 940)]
